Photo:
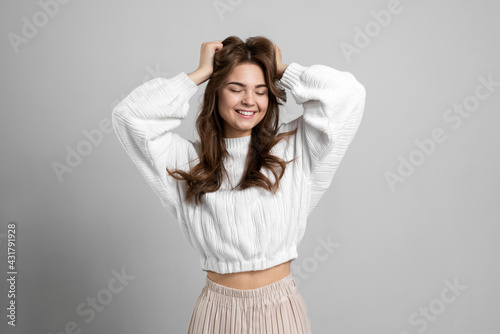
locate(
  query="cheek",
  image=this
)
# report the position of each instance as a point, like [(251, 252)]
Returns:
[(264, 105), (230, 102), (225, 104)]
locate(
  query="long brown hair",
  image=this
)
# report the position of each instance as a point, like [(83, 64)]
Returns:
[(207, 175)]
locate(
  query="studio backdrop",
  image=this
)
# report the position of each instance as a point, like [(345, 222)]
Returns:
[(405, 240)]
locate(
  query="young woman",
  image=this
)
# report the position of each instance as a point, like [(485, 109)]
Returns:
[(242, 192)]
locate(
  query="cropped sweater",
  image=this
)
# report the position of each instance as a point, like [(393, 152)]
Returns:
[(251, 229)]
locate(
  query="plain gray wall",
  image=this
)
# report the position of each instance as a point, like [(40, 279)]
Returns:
[(394, 251)]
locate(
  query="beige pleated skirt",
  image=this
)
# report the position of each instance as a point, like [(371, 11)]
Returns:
[(275, 308)]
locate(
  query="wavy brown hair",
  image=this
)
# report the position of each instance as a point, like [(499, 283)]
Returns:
[(208, 174)]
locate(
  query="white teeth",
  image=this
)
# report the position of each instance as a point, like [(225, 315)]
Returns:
[(246, 113)]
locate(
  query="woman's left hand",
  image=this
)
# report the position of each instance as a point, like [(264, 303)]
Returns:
[(280, 67)]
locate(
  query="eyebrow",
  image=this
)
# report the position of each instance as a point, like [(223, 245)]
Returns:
[(243, 85)]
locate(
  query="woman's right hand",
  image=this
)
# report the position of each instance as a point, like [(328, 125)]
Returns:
[(206, 66), (207, 52)]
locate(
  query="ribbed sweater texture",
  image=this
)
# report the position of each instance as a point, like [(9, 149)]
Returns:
[(251, 229)]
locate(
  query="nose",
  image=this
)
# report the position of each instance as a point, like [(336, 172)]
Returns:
[(248, 99)]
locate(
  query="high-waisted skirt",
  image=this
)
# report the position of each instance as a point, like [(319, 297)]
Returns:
[(274, 308)]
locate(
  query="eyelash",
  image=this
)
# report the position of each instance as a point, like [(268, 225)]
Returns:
[(238, 91)]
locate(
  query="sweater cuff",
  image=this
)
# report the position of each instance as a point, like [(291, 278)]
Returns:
[(291, 76), (182, 83)]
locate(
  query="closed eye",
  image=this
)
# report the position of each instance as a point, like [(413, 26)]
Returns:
[(238, 91)]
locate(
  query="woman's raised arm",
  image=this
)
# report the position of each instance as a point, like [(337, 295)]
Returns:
[(333, 103), (144, 122)]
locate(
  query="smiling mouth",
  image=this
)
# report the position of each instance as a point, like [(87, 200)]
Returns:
[(245, 113)]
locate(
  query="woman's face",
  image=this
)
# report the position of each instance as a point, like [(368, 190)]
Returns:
[(245, 88)]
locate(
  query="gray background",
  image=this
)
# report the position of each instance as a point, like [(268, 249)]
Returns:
[(395, 248)]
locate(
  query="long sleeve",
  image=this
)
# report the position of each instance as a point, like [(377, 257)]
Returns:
[(333, 103), (143, 122)]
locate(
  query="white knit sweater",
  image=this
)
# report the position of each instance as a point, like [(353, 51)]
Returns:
[(236, 231)]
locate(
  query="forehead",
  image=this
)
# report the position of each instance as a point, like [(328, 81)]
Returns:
[(247, 73)]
